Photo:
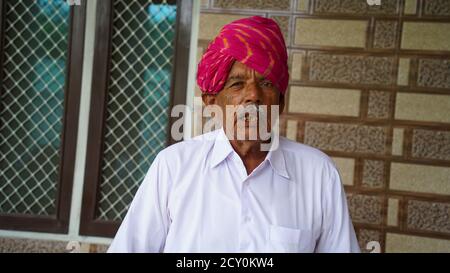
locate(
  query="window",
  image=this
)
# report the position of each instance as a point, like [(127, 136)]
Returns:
[(41, 48), (140, 66), (137, 80)]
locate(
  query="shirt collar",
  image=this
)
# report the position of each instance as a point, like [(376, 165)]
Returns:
[(278, 162), (222, 149)]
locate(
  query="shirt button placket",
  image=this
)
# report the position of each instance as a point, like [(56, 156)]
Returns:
[(245, 217)]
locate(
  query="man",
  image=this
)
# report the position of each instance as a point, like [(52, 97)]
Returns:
[(219, 193)]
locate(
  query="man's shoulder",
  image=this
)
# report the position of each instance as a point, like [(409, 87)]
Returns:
[(196, 146)]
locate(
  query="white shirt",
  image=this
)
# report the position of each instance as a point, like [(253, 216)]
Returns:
[(197, 197)]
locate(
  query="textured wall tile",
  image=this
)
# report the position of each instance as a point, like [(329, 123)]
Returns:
[(396, 243), (283, 23), (426, 36), (327, 101), (283, 5), (368, 235), (204, 3), (428, 216), (434, 73), (392, 215), (379, 104), (99, 248), (303, 5), (385, 34), (354, 7), (420, 178), (12, 245), (346, 168), (403, 71), (328, 32), (199, 53), (365, 208), (410, 7), (351, 69), (373, 174), (291, 130), (430, 144), (211, 23), (296, 68), (423, 107), (346, 137), (397, 141), (437, 7)]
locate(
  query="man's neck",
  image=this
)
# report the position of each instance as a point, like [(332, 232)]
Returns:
[(250, 153)]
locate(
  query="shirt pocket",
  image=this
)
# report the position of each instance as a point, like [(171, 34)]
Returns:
[(287, 240)]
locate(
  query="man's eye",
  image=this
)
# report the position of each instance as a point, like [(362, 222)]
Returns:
[(266, 84), (236, 84)]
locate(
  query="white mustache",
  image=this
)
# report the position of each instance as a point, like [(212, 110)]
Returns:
[(252, 110)]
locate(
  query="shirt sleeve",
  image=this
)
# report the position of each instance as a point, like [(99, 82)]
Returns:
[(338, 234), (146, 224)]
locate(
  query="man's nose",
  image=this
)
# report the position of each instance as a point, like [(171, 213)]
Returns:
[(253, 93)]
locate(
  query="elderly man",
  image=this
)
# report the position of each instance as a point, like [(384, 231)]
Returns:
[(219, 193)]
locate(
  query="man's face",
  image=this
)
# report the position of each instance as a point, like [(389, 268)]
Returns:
[(245, 87)]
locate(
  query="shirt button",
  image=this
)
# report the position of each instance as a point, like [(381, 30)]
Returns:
[(247, 219)]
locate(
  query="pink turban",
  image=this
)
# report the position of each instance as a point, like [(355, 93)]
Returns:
[(256, 42)]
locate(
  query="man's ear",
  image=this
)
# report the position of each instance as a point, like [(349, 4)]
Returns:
[(281, 103), (209, 99)]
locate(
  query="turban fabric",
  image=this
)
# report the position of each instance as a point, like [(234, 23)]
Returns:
[(256, 42)]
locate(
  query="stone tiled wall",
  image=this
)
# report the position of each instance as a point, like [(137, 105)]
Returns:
[(15, 245), (370, 86)]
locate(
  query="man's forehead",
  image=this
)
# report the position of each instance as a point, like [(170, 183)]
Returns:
[(240, 70)]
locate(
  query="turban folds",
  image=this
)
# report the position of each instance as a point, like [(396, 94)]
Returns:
[(256, 42)]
